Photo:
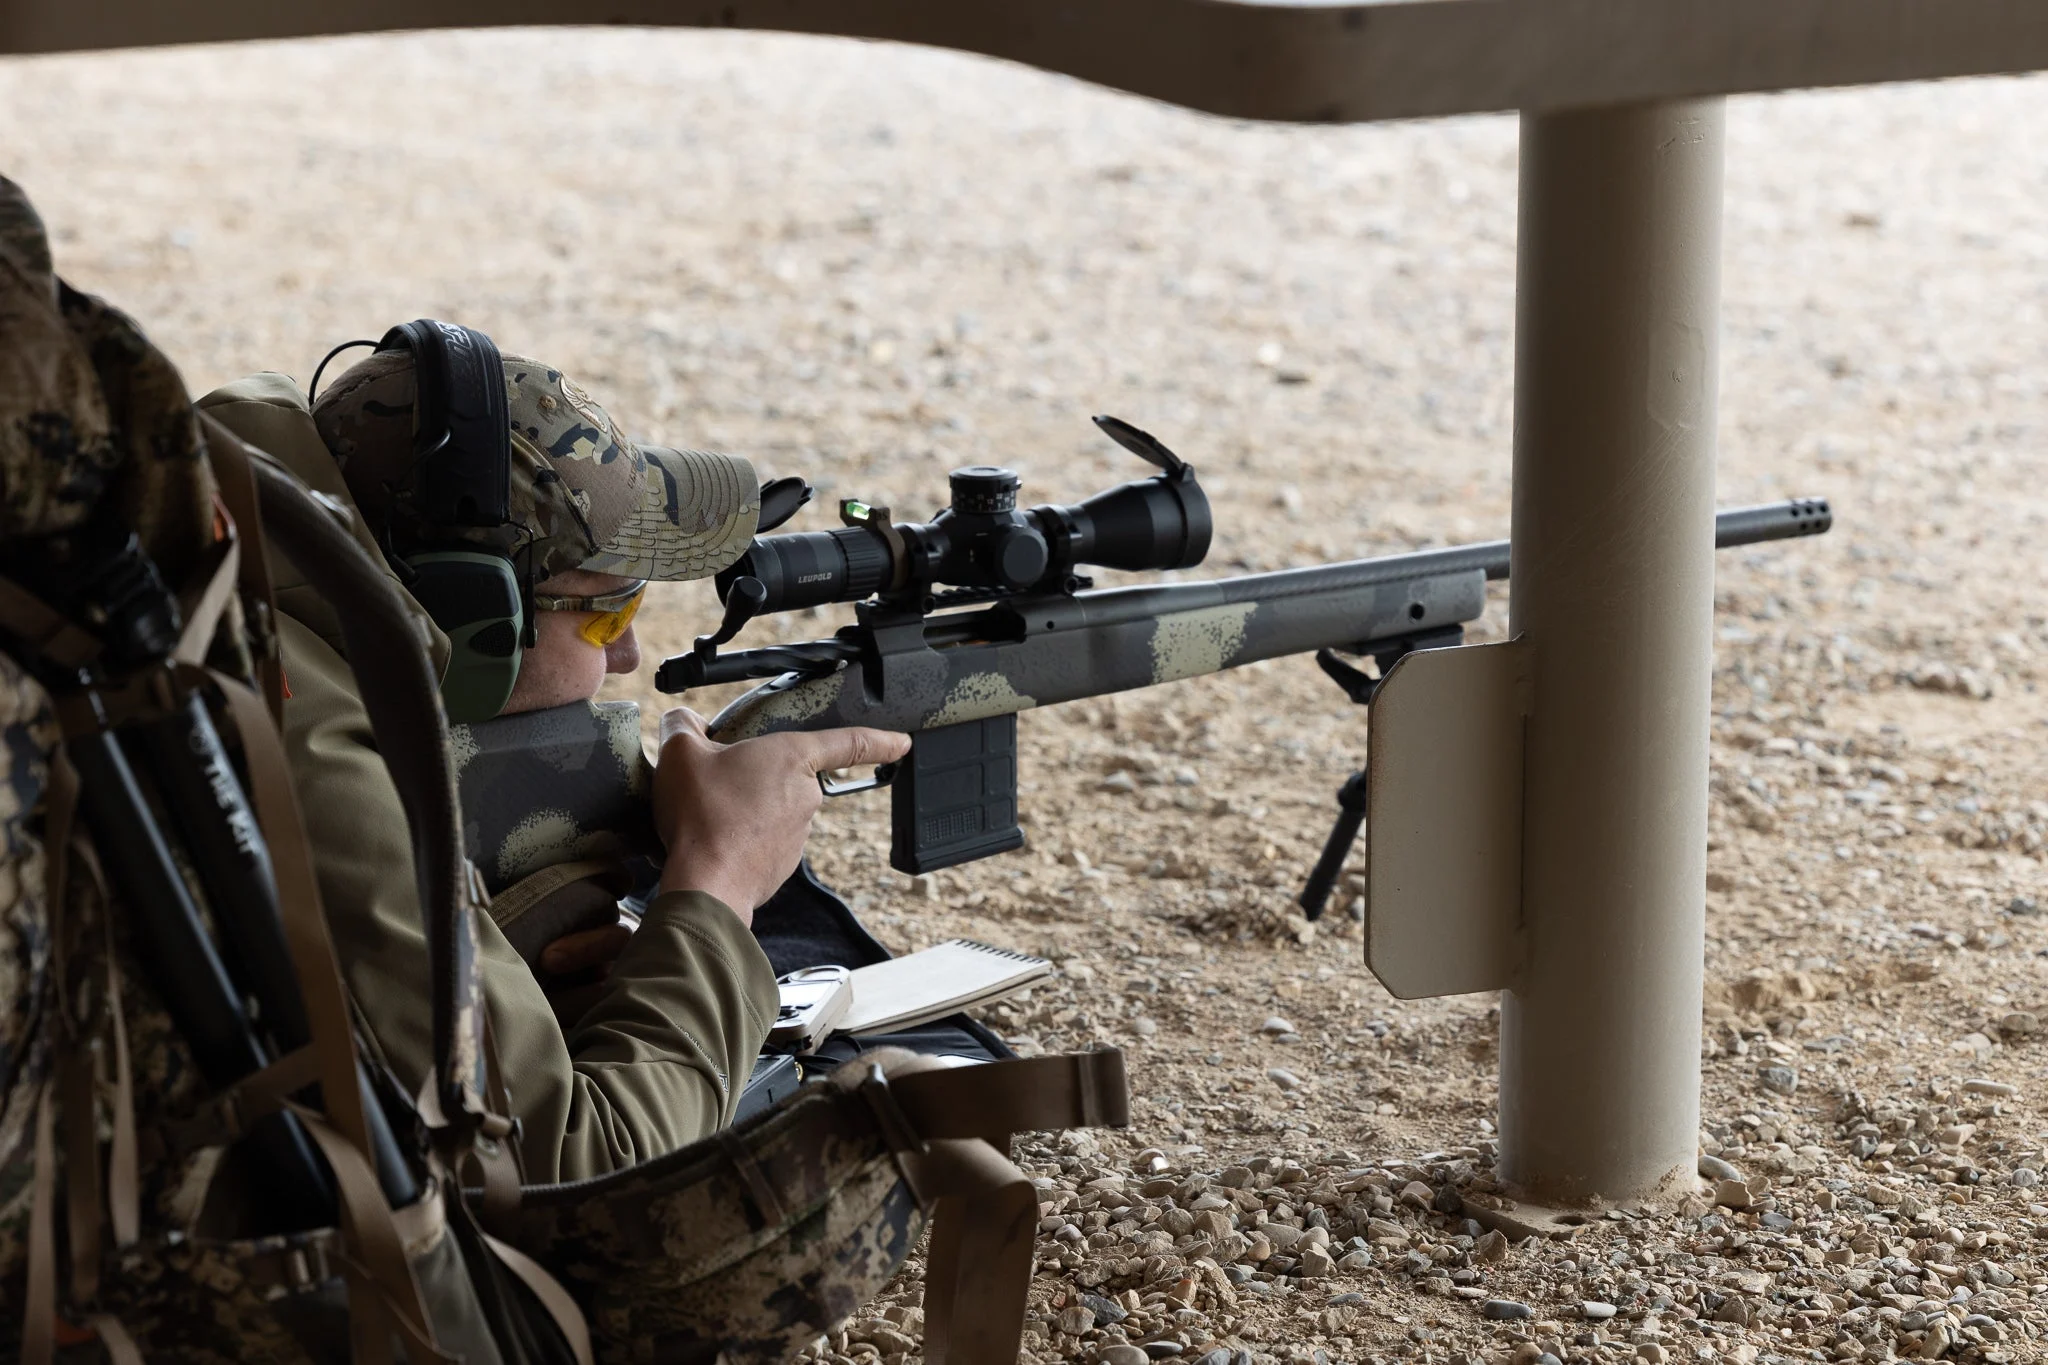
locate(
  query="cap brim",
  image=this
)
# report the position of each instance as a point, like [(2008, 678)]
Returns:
[(697, 514)]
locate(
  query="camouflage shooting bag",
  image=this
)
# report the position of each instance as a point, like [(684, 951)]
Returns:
[(138, 1203), (747, 1246)]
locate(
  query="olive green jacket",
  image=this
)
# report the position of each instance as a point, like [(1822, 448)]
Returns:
[(657, 1062)]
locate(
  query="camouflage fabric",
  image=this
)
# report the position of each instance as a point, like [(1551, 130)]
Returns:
[(57, 446), (553, 786), (153, 1287), (22, 239), (28, 733), (586, 495), (95, 421), (165, 491), (677, 1259), (91, 417)]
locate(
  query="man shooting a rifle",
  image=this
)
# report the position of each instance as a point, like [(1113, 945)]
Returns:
[(534, 600)]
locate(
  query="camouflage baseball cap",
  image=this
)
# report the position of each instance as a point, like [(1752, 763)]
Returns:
[(592, 498)]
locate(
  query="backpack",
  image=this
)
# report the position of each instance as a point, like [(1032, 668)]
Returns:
[(183, 1178), (139, 1191)]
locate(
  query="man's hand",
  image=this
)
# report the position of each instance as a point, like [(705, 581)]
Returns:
[(585, 949), (734, 816)]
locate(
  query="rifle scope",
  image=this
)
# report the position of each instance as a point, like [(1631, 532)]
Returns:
[(982, 543)]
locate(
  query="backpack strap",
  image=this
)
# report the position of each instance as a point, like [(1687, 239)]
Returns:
[(73, 1085), (238, 494), (40, 627), (1025, 1095), (978, 1263), (222, 1119), (39, 1296), (402, 698), (950, 1128), (510, 907)]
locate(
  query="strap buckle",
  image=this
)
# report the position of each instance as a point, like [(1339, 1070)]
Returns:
[(897, 1129)]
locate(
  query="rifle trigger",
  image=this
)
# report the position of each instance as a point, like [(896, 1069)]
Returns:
[(882, 776)]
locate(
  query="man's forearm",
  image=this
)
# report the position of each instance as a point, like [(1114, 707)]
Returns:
[(661, 1057)]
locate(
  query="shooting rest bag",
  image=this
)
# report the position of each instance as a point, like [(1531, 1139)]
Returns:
[(748, 1245)]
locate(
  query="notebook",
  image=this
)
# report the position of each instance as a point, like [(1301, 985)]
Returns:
[(922, 986)]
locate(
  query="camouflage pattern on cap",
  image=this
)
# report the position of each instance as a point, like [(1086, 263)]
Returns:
[(591, 497)]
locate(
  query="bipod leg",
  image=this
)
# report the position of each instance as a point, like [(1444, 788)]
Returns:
[(1322, 879)]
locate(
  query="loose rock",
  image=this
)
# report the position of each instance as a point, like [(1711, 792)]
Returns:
[(1782, 1079), (1733, 1194), (1491, 1249), (1714, 1168)]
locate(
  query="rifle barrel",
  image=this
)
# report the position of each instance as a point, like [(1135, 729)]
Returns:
[(1785, 520), (1110, 606)]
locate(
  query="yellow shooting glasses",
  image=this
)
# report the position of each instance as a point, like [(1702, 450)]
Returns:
[(610, 612)]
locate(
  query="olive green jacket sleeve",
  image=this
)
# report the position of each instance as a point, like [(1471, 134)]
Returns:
[(656, 1063)]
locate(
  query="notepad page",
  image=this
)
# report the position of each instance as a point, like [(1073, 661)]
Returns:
[(935, 982)]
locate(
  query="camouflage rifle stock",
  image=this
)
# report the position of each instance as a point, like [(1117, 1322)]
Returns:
[(554, 786), (955, 681)]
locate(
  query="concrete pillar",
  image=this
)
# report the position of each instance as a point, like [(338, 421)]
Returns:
[(1617, 331)]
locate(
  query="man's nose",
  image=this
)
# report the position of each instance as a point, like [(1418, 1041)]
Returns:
[(623, 654)]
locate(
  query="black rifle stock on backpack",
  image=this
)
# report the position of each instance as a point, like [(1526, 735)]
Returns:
[(206, 980), (1026, 632)]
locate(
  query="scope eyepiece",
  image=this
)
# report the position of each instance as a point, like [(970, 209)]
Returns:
[(982, 542), (811, 568)]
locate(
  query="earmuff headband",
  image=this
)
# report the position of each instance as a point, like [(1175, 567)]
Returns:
[(463, 442), (462, 478)]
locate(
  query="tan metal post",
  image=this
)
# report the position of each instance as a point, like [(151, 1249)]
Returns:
[(1615, 382)]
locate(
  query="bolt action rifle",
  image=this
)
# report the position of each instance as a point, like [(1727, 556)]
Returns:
[(963, 621)]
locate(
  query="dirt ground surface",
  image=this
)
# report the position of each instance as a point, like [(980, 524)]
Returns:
[(868, 265)]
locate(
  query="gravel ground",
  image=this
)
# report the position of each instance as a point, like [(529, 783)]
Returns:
[(868, 265)]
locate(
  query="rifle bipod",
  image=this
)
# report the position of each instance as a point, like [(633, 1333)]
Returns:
[(1322, 878)]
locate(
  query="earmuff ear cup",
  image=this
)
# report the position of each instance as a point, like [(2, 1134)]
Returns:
[(474, 598)]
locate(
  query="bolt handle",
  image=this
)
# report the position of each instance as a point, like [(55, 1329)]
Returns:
[(743, 602)]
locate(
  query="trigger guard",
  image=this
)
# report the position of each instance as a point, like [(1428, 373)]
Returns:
[(882, 776)]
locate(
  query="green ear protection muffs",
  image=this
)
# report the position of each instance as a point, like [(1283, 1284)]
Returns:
[(475, 599), (462, 452)]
